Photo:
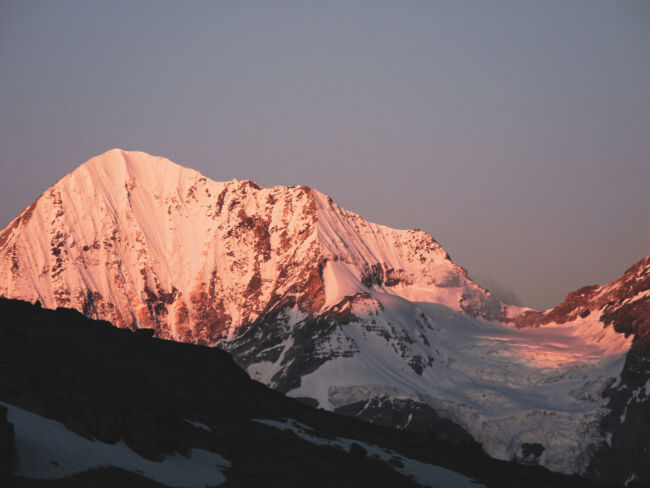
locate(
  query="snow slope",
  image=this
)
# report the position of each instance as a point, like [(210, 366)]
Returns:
[(47, 450), (505, 386), (422, 473)]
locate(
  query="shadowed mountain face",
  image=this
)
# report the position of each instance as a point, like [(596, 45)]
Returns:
[(319, 304), (122, 391)]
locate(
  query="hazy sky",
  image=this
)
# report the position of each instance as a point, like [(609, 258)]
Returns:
[(516, 133)]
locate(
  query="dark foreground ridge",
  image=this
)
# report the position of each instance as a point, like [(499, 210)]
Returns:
[(159, 397)]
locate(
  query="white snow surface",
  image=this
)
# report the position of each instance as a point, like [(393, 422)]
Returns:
[(198, 425), (422, 473), (505, 386), (47, 450)]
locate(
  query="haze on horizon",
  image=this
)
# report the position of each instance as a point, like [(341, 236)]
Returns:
[(516, 133)]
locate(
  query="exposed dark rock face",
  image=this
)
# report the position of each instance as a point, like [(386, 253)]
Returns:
[(312, 402), (407, 415), (625, 456), (97, 478), (631, 318), (530, 452), (303, 357), (113, 385), (8, 459), (485, 306), (299, 346)]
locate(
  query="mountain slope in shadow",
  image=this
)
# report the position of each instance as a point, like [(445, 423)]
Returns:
[(162, 401)]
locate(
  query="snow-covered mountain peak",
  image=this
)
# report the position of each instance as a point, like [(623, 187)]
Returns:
[(116, 166), (144, 242), (317, 302)]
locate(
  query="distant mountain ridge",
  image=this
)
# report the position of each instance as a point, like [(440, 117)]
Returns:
[(320, 304)]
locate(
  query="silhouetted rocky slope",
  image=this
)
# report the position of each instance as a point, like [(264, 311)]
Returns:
[(162, 397), (7, 447), (625, 455)]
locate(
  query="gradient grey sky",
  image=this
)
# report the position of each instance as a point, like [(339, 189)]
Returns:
[(516, 133)]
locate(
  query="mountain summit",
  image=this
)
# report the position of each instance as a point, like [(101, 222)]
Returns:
[(145, 243), (322, 305)]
